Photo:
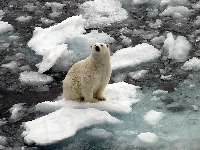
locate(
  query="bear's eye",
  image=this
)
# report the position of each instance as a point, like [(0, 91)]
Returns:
[(97, 48), (101, 44)]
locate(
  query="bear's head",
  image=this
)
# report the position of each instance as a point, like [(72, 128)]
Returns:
[(100, 51)]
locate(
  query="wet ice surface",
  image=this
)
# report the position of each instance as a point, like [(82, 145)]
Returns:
[(166, 115)]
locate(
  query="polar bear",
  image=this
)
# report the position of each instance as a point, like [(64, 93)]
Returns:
[(87, 79)]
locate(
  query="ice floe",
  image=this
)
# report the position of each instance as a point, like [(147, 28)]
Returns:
[(133, 56), (62, 40), (5, 27), (62, 124), (192, 64), (66, 117), (178, 48), (145, 140), (102, 12), (34, 78), (153, 117), (119, 99)]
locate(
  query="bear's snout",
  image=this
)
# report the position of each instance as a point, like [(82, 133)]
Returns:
[(97, 48)]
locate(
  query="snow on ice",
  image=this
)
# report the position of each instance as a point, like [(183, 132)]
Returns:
[(34, 78), (146, 140), (119, 99), (53, 43), (23, 18), (102, 12), (178, 48), (11, 65), (192, 64), (176, 12), (62, 124), (15, 111), (66, 117), (153, 117), (133, 56), (5, 27)]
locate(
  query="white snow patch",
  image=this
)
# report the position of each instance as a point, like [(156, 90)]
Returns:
[(11, 65), (153, 117), (1, 14), (47, 21), (34, 78), (132, 56), (102, 12), (3, 140), (197, 22), (145, 140), (2, 121), (52, 55), (192, 64), (99, 133), (159, 92), (138, 74), (5, 27), (62, 124), (177, 11), (136, 2), (15, 111), (56, 8), (178, 49), (57, 39), (119, 99), (23, 18), (166, 77)]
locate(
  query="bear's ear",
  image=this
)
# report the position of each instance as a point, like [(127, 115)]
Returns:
[(91, 46)]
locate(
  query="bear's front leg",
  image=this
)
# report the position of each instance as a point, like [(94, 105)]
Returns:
[(88, 95), (99, 93)]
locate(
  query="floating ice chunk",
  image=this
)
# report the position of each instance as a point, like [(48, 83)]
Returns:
[(196, 6), (132, 56), (145, 140), (178, 49), (119, 99), (63, 124), (5, 27), (173, 2), (159, 92), (69, 32), (153, 117), (55, 6), (138, 74), (56, 35), (136, 2), (3, 140), (15, 111), (25, 68), (102, 12), (158, 40), (197, 22), (11, 65), (167, 77), (176, 11), (23, 18), (52, 55), (47, 21), (192, 64), (1, 14), (99, 133), (34, 78), (2, 121)]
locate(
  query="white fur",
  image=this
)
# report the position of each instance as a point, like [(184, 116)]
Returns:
[(87, 79)]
